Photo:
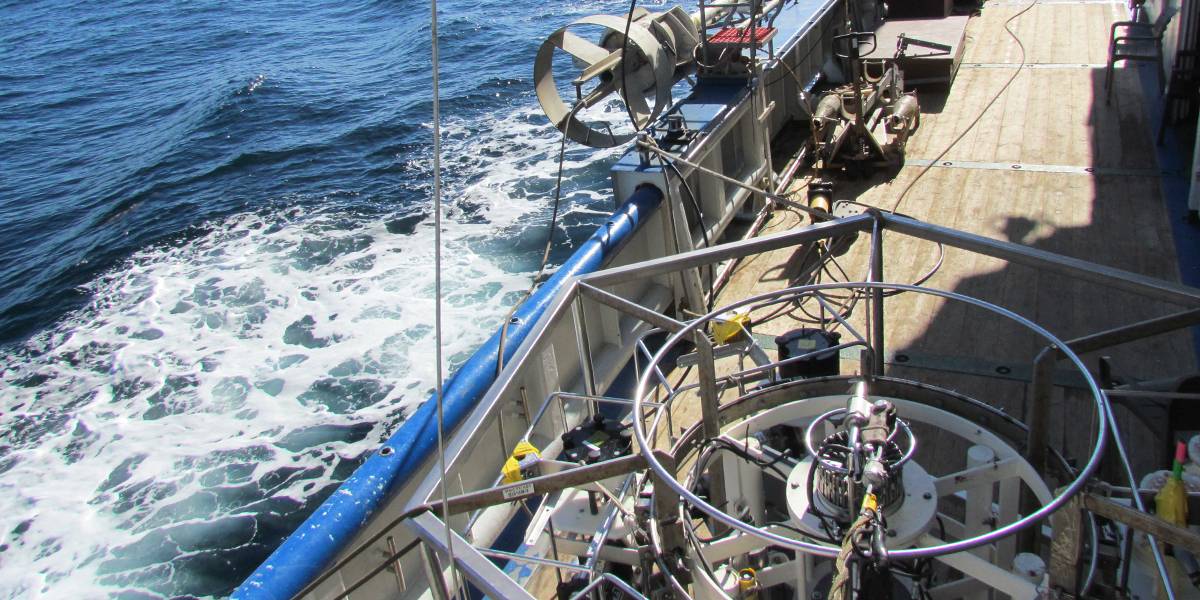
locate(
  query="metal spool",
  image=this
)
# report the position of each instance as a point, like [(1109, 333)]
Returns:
[(831, 486), (659, 51)]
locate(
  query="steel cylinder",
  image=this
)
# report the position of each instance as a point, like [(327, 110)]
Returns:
[(904, 113), (828, 109)]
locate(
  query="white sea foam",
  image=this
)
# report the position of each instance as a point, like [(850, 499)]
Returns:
[(141, 432)]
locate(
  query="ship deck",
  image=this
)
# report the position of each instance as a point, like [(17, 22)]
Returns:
[(1050, 166)]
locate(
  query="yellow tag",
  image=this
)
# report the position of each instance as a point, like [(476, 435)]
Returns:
[(723, 330), (512, 466), (869, 503)]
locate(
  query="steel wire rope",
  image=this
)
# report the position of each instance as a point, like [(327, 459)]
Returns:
[(699, 216), (979, 117), (562, 149), (437, 285)]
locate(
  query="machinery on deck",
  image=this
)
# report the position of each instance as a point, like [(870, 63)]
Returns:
[(846, 120)]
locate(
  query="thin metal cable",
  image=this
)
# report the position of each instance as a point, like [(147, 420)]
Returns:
[(437, 283), (562, 151)]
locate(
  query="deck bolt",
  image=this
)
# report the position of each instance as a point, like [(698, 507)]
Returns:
[(928, 496)]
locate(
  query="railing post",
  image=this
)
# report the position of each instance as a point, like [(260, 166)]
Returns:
[(1039, 433), (585, 348), (877, 293), (710, 421)]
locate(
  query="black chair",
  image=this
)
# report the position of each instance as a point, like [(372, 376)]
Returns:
[(1182, 85), (1137, 41)]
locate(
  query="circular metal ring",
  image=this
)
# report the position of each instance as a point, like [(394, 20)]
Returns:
[(641, 41), (670, 479)]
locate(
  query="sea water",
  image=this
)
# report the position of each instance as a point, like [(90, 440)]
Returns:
[(216, 250)]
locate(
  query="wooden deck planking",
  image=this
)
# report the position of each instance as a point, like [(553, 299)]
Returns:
[(1046, 116)]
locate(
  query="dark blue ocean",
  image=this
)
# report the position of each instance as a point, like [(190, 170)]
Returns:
[(216, 284)]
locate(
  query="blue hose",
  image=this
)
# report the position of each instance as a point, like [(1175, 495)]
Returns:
[(334, 525)]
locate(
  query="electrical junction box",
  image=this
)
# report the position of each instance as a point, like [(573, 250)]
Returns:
[(799, 342)]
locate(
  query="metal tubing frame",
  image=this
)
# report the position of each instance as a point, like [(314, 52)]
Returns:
[(467, 559), (1127, 281), (905, 554), (1115, 278), (658, 320), (877, 346), (1135, 331)]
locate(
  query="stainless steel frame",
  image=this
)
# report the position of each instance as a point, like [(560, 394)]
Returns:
[(618, 295)]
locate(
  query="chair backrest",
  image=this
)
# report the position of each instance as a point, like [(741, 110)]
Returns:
[(1164, 19)]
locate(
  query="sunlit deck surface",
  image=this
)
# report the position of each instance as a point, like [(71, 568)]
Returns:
[(1052, 114)]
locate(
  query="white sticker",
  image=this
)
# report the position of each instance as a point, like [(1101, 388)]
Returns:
[(518, 491)]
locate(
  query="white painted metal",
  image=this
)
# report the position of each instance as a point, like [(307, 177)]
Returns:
[(979, 504)]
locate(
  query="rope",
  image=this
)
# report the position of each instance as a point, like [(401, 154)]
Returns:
[(978, 118), (562, 149), (837, 590), (437, 282)]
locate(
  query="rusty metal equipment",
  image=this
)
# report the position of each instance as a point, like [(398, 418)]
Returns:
[(847, 120)]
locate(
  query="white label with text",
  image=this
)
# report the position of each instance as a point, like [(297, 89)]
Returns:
[(518, 491)]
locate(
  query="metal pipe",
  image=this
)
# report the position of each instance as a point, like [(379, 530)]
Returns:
[(1118, 279), (877, 294), (716, 254), (615, 302), (585, 347), (1136, 331), (532, 559), (641, 344), (837, 315)]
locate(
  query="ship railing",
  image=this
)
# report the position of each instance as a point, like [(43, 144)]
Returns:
[(598, 291), (427, 523), (1064, 557)]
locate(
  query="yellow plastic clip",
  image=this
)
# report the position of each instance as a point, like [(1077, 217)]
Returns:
[(869, 503), (725, 329), (512, 466)]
